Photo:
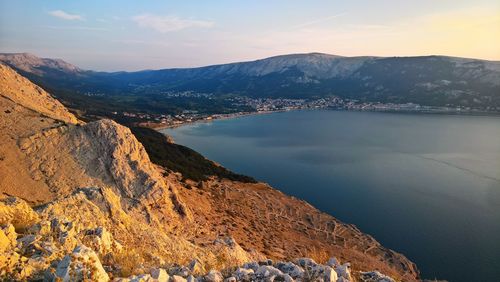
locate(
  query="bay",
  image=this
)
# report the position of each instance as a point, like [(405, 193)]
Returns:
[(425, 185)]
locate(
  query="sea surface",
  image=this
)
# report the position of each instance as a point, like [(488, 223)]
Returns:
[(425, 185)]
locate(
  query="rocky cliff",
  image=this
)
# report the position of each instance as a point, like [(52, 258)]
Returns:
[(83, 201)]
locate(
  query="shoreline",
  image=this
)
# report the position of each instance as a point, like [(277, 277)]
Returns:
[(159, 126)]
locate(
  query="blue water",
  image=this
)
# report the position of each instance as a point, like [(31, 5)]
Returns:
[(427, 186)]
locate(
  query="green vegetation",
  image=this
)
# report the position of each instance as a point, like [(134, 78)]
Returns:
[(181, 159)]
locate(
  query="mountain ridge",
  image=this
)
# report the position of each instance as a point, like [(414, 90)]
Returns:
[(425, 80)]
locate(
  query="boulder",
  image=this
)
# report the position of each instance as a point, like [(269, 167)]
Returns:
[(214, 276), (251, 265), (303, 262), (182, 271), (268, 271), (82, 264), (375, 276), (288, 278), (160, 275), (344, 270), (291, 269), (329, 274), (243, 274), (196, 267)]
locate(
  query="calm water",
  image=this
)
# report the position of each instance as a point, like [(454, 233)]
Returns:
[(427, 186)]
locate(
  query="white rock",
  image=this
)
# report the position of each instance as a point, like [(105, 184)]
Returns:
[(288, 278), (102, 240), (344, 270), (251, 265), (160, 275), (375, 276), (330, 274), (214, 276), (182, 271), (306, 262), (196, 267), (267, 270), (243, 273), (82, 264), (291, 269)]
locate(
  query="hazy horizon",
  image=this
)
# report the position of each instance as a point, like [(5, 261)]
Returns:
[(127, 35)]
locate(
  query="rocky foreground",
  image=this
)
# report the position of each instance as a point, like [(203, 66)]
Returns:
[(83, 201), (37, 246)]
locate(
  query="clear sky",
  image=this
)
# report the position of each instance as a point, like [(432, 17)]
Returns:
[(151, 34)]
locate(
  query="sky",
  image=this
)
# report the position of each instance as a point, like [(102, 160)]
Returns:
[(151, 34)]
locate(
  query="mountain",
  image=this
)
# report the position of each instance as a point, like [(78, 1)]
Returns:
[(39, 66), (84, 201), (427, 80)]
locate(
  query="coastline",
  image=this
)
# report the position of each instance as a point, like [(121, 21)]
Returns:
[(161, 126)]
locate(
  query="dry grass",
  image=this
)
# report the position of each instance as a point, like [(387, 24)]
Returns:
[(318, 255), (128, 260)]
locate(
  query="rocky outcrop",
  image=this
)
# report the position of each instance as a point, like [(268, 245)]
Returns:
[(82, 264)]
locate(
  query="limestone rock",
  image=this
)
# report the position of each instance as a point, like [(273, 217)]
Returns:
[(375, 276), (196, 267), (82, 264), (251, 265), (7, 238), (160, 275), (329, 274), (243, 274), (101, 240), (17, 212), (214, 276), (267, 271), (291, 269), (344, 271)]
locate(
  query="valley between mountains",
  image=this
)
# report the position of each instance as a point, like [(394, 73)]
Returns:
[(84, 201)]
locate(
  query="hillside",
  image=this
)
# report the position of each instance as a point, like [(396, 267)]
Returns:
[(428, 80), (83, 200)]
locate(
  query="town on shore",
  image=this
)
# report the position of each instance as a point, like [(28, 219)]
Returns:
[(269, 105)]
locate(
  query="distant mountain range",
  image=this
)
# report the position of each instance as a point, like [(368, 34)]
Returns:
[(428, 80)]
